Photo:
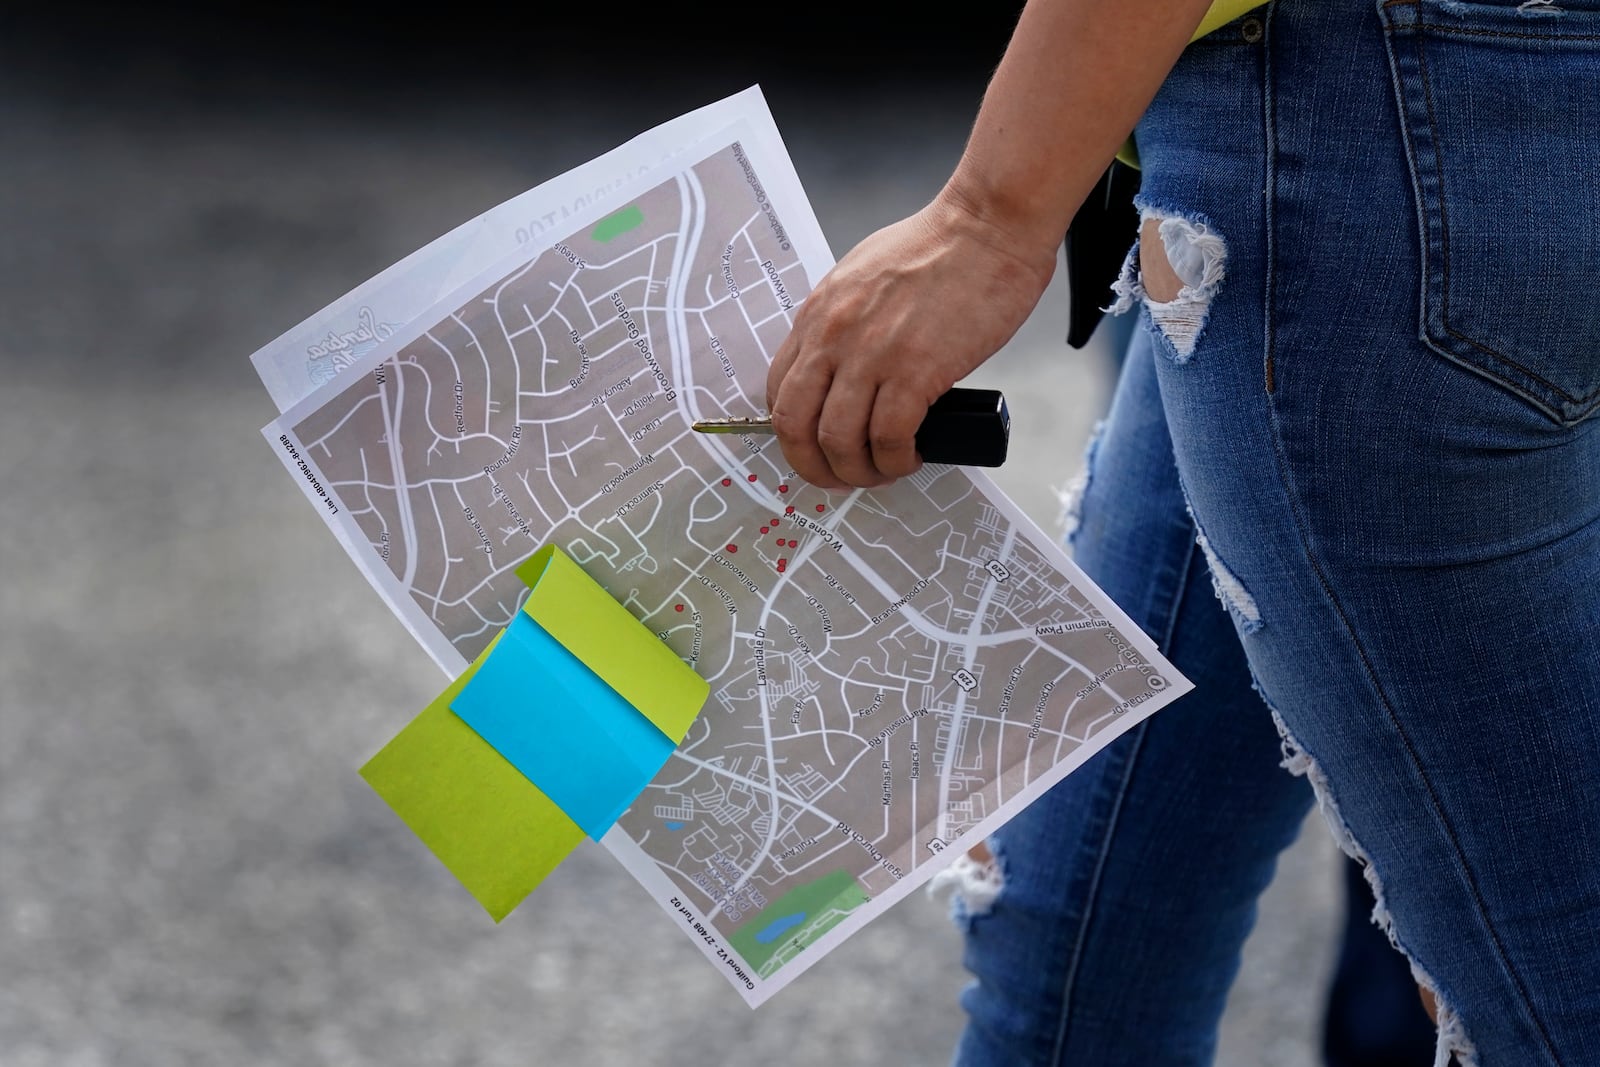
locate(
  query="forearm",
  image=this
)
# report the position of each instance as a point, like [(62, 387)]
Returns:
[(1073, 82), (919, 304)]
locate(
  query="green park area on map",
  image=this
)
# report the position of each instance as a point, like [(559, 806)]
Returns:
[(796, 919)]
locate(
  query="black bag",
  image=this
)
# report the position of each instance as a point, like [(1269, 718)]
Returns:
[(1097, 242)]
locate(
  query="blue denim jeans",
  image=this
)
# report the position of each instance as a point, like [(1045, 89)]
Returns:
[(1351, 484)]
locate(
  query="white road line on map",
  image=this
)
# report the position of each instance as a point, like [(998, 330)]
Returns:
[(766, 356), (522, 476), (391, 425), (787, 798), (346, 417), (915, 618), (714, 445), (366, 491), (605, 298), (692, 202), (766, 726), (444, 572), (958, 712), (556, 311), (488, 371), (572, 275)]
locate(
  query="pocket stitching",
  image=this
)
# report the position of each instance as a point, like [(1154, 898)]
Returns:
[(1591, 400), (1445, 29)]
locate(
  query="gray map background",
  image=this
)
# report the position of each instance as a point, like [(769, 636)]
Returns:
[(190, 669)]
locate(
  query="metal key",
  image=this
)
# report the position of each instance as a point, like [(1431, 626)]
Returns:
[(966, 427)]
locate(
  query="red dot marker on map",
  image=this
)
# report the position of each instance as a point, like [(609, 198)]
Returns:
[(677, 607), (793, 543), (733, 547), (752, 477), (763, 529), (782, 563), (727, 481), (783, 488), (821, 508), (789, 510), (773, 523)]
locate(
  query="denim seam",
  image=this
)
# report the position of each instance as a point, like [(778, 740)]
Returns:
[(1166, 208), (1269, 360), (1438, 175), (1592, 400), (1069, 983), (1303, 531), (1446, 30), (1415, 32), (1463, 870), (1434, 129), (1413, 170)]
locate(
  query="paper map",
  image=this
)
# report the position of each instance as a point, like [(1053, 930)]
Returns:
[(893, 672)]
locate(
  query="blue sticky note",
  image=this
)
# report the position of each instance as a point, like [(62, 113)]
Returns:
[(557, 722)]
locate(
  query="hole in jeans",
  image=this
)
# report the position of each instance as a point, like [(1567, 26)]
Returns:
[(1072, 494), (1177, 283), (1229, 589), (974, 882), (1454, 1048)]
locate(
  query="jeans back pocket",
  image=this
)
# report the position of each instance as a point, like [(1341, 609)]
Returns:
[(1499, 104)]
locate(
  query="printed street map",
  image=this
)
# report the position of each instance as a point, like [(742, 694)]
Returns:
[(893, 672)]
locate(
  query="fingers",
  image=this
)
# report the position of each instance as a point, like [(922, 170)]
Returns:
[(842, 431), (839, 431), (892, 432), (862, 436), (781, 362), (795, 406)]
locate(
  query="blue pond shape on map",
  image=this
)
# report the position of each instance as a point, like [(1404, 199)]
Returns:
[(778, 927), (674, 826)]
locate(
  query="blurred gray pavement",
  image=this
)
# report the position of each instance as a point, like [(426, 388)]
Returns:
[(191, 670)]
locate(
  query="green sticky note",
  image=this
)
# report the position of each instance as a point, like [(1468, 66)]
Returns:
[(495, 831), (578, 612)]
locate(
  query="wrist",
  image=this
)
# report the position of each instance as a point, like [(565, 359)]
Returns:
[(1017, 238)]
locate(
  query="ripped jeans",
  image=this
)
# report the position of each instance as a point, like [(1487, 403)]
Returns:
[(1350, 483)]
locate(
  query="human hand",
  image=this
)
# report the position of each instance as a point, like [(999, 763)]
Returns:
[(904, 316)]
